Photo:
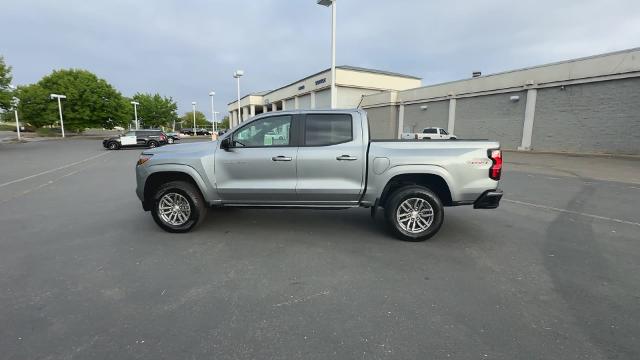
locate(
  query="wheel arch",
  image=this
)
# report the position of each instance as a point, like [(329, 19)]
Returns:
[(434, 182), (163, 176)]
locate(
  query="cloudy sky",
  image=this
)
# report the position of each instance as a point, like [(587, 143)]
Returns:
[(184, 49)]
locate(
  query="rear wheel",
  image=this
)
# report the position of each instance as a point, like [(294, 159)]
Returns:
[(178, 206), (113, 145), (152, 144), (414, 213)]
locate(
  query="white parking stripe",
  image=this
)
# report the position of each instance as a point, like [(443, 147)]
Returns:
[(572, 212), (53, 170)]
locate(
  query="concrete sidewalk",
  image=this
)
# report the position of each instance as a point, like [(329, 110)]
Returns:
[(599, 167)]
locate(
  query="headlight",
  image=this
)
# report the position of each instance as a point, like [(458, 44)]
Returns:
[(143, 159)]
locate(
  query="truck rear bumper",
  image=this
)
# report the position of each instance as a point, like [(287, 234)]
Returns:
[(490, 199)]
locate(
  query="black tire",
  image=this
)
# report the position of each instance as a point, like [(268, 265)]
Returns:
[(170, 141), (398, 197), (193, 197), (454, 138), (113, 145), (152, 144)]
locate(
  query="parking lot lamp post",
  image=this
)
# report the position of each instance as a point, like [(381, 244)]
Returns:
[(332, 3), (193, 103), (135, 113), (237, 74), (59, 97), (213, 111)]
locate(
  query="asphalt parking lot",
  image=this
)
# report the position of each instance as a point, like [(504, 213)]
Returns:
[(85, 273)]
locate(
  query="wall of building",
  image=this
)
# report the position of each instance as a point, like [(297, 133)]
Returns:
[(587, 105), (304, 102), (416, 119), (383, 122), (601, 117), (493, 117), (349, 97), (323, 99), (290, 104)]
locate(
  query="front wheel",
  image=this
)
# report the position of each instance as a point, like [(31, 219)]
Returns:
[(414, 213), (178, 207), (170, 140)]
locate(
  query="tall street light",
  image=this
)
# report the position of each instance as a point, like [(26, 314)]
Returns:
[(135, 112), (213, 112), (237, 74), (15, 111), (332, 3), (193, 103), (56, 96)]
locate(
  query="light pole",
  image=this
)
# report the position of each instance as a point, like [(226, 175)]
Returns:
[(56, 96), (15, 112), (213, 112), (214, 119), (334, 94), (135, 112), (237, 74), (193, 104)]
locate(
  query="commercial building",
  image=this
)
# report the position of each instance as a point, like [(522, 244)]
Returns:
[(314, 91), (586, 105)]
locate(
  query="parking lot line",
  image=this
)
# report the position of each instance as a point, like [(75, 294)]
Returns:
[(572, 212), (53, 170)]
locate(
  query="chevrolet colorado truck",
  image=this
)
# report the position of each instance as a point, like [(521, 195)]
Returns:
[(322, 159)]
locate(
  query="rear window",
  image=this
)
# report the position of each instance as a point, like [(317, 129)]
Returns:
[(328, 129), (430, 131)]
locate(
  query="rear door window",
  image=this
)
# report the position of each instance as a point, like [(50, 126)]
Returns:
[(328, 129)]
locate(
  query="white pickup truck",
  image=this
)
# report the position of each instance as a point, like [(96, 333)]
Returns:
[(430, 133)]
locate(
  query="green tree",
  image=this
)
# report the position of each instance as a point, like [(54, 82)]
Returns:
[(155, 110), (90, 102), (224, 124), (6, 93), (35, 107), (201, 120)]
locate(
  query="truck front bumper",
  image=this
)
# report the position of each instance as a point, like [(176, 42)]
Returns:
[(490, 199)]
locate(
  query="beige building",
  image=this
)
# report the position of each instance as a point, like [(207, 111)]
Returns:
[(314, 91)]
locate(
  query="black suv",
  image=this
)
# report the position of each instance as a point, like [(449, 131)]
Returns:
[(146, 138)]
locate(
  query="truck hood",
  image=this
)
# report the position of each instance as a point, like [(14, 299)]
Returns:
[(183, 148)]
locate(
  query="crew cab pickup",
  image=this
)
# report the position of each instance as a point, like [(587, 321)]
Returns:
[(319, 159)]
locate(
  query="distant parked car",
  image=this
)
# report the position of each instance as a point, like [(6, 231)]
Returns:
[(430, 133), (146, 138), (173, 137), (187, 131), (202, 131), (25, 128)]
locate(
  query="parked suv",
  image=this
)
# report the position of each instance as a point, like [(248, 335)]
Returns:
[(146, 138)]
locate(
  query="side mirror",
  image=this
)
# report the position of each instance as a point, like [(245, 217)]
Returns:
[(225, 143)]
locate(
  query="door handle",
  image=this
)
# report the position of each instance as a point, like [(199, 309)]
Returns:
[(281, 158), (346, 158)]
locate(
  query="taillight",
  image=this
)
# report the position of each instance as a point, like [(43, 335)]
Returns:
[(496, 168), (162, 137)]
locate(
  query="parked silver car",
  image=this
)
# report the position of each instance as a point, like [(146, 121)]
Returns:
[(319, 159)]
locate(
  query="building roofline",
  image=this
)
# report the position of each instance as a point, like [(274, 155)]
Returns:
[(535, 67), (342, 67)]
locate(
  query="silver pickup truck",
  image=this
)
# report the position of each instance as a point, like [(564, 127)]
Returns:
[(323, 160)]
